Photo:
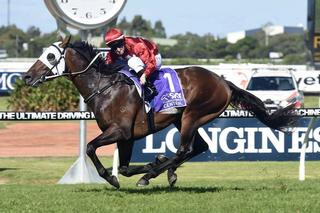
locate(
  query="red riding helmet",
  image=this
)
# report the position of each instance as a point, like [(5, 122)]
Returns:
[(113, 35)]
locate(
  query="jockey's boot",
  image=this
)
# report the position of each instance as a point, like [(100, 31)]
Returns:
[(150, 90)]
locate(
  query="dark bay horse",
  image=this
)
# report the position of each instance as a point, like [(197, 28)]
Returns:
[(121, 116)]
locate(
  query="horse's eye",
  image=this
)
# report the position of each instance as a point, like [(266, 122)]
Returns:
[(51, 58)]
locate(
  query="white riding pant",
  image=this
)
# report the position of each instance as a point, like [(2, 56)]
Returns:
[(137, 65)]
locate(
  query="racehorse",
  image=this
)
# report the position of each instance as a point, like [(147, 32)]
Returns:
[(120, 111)]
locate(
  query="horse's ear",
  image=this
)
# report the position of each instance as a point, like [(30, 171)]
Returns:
[(60, 38), (65, 41)]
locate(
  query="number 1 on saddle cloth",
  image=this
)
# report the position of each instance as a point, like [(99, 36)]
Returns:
[(162, 91)]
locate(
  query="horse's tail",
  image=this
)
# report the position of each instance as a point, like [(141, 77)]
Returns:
[(280, 119)]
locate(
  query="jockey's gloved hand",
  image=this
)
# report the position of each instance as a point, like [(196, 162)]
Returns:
[(143, 79), (140, 73)]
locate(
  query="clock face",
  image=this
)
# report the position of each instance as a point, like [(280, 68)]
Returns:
[(86, 13)]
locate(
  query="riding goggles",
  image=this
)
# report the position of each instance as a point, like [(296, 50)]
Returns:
[(116, 44)]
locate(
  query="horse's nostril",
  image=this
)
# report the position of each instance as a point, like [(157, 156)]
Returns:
[(26, 78)]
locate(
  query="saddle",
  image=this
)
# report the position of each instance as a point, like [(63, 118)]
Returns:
[(149, 89)]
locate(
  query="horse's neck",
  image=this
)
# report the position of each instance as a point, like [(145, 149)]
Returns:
[(91, 82), (86, 83)]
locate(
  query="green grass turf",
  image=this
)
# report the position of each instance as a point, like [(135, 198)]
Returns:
[(29, 185), (311, 101)]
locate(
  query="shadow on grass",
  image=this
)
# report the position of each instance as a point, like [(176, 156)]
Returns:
[(183, 189), (162, 189), (5, 169), (176, 189)]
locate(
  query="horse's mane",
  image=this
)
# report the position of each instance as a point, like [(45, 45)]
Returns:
[(88, 51)]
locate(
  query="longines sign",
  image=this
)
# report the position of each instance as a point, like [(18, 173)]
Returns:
[(236, 139)]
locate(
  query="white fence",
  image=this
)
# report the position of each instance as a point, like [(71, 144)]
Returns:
[(308, 80)]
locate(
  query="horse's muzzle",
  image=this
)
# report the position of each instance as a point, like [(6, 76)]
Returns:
[(27, 79), (31, 82)]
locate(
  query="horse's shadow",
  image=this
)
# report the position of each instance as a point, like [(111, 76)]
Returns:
[(162, 189), (5, 169), (168, 189)]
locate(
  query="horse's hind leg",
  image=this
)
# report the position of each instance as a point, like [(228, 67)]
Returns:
[(190, 122), (199, 146), (189, 126)]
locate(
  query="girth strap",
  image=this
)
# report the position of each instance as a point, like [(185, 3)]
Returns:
[(150, 121)]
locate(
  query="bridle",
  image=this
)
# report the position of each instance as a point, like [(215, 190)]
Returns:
[(72, 74), (55, 63)]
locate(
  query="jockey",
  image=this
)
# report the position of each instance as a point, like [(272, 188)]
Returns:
[(141, 54)]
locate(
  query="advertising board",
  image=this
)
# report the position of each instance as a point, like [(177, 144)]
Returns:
[(7, 81), (235, 136), (241, 139), (10, 72)]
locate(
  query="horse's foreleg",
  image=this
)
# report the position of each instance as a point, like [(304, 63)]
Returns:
[(110, 136), (130, 170), (125, 153)]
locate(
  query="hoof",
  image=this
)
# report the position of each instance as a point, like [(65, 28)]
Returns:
[(113, 181), (172, 178), (142, 182)]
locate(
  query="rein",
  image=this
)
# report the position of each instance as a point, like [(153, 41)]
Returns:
[(99, 91), (69, 74), (74, 73)]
